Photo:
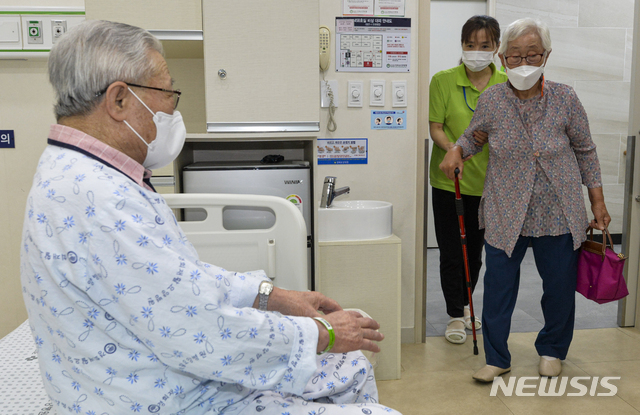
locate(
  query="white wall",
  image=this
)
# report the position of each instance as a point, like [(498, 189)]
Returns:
[(391, 172), (26, 106), (447, 19), (42, 4)]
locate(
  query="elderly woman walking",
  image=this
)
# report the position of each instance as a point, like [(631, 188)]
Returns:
[(540, 151)]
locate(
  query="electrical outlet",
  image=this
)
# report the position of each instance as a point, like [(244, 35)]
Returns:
[(58, 28), (34, 32)]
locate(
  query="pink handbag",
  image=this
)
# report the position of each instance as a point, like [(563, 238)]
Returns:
[(600, 270)]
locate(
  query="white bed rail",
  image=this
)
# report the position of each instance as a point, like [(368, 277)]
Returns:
[(281, 251)]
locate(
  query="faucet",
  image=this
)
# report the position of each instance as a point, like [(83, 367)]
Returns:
[(329, 192)]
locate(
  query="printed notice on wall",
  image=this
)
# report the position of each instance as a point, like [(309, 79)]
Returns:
[(388, 120), (373, 44), (373, 8), (357, 7), (342, 151), (389, 8)]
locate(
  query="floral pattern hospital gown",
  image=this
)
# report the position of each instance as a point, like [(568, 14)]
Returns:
[(127, 319)]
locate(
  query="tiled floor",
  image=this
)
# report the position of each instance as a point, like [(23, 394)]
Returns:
[(527, 316), (436, 375)]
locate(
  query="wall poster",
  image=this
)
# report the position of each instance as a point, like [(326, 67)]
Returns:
[(373, 44), (343, 151), (373, 8), (388, 120)]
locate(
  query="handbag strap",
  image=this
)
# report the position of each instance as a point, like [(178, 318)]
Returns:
[(606, 237)]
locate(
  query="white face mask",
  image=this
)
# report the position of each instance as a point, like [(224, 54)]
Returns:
[(476, 60), (170, 135), (524, 77)]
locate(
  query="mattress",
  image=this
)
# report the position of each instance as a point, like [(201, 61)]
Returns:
[(21, 388)]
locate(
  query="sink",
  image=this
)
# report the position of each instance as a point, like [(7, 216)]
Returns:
[(355, 220)]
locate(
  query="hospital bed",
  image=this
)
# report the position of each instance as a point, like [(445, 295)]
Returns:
[(281, 251)]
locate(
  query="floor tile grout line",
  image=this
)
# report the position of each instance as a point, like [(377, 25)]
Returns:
[(625, 401), (577, 364), (626, 330), (505, 404)]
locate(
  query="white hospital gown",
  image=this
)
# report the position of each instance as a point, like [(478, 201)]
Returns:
[(126, 318)]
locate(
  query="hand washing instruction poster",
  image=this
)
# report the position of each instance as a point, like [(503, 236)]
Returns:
[(373, 44), (343, 151)]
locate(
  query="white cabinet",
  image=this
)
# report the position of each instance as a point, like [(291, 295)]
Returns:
[(261, 66), (366, 275), (172, 15)]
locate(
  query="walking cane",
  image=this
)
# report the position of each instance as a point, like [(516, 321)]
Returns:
[(463, 239)]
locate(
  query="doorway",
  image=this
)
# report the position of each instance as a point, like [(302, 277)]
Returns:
[(609, 130)]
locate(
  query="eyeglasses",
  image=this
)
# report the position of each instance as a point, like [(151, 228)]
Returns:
[(176, 93), (531, 59)]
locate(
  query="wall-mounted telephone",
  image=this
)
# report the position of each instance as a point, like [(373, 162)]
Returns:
[(325, 48)]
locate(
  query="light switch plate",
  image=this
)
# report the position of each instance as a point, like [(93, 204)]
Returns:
[(355, 93), (399, 93), (376, 98)]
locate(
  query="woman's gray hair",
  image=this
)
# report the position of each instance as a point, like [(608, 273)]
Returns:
[(523, 27), (93, 55)]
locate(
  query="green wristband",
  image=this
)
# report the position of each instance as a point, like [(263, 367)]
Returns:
[(332, 334)]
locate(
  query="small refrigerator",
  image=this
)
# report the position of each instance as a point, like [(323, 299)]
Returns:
[(288, 179)]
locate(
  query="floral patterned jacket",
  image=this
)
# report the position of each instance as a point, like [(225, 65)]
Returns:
[(558, 141)]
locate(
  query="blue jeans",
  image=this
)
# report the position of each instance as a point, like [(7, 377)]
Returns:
[(557, 264)]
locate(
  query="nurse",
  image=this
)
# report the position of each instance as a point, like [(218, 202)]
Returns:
[(453, 95)]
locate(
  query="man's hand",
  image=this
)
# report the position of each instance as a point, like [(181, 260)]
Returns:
[(352, 331), (299, 303)]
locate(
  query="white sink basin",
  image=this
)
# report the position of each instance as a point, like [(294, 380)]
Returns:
[(355, 220)]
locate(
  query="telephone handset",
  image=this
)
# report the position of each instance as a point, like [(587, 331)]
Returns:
[(325, 48)]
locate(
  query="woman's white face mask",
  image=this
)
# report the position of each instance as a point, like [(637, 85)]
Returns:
[(525, 77), (170, 136), (477, 60)]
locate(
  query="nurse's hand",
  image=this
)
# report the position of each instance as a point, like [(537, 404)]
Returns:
[(352, 331), (451, 161), (481, 138)]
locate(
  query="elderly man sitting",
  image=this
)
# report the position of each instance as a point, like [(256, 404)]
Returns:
[(125, 316)]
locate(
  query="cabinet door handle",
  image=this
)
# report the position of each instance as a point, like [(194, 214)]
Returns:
[(222, 74)]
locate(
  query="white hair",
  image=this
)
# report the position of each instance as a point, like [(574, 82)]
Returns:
[(523, 27), (93, 55)]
